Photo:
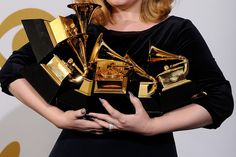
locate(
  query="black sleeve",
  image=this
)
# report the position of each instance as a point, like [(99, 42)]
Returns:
[(206, 73), (11, 69)]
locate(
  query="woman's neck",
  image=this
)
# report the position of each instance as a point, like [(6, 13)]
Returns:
[(126, 13), (127, 17), (128, 21), (128, 26)]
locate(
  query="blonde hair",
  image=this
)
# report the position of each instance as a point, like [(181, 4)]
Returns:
[(151, 11)]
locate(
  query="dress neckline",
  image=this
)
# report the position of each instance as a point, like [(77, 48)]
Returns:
[(117, 32)]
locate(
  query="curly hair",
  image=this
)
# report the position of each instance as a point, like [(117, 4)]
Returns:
[(151, 10)]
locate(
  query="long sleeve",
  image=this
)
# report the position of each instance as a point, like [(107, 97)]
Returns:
[(12, 68), (206, 73)]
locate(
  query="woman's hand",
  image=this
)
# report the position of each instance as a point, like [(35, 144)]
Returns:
[(140, 122), (75, 120), (64, 120)]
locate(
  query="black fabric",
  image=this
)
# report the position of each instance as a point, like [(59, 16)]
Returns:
[(175, 35), (72, 143), (11, 69), (179, 36)]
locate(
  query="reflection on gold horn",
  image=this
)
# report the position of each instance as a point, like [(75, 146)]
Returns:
[(144, 93), (98, 45), (174, 74), (78, 44), (84, 12)]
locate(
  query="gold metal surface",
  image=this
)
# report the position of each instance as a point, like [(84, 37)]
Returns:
[(125, 62), (60, 29), (56, 69), (143, 73), (84, 12), (172, 78), (174, 74), (143, 90), (111, 70), (110, 77), (86, 87), (78, 41)]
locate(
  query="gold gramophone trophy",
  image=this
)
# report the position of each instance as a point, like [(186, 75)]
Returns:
[(60, 50), (174, 74), (72, 74), (112, 71)]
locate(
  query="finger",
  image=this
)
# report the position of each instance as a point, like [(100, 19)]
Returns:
[(136, 102), (80, 113), (97, 132), (103, 117), (87, 125), (106, 125), (113, 112)]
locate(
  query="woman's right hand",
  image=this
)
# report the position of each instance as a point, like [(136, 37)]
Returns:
[(76, 120), (64, 120)]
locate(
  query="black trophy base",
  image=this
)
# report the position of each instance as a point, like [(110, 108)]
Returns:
[(155, 106), (71, 100)]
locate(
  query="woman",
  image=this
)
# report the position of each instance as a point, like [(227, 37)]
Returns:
[(130, 25)]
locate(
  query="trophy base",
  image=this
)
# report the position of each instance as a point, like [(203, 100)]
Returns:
[(71, 100)]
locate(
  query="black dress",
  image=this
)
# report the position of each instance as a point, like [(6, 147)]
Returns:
[(175, 35)]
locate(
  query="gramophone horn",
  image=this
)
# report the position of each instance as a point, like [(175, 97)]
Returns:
[(84, 12)]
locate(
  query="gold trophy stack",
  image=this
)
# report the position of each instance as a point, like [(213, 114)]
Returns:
[(109, 73)]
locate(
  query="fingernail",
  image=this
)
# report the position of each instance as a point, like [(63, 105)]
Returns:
[(131, 94), (83, 111), (101, 100), (92, 118)]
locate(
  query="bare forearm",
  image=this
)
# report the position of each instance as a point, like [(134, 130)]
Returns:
[(189, 117), (70, 119), (23, 91)]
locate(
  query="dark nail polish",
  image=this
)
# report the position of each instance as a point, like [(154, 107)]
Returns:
[(131, 94), (83, 111), (101, 100)]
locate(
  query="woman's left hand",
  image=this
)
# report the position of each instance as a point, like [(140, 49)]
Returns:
[(140, 122)]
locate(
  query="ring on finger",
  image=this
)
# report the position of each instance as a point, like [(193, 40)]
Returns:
[(110, 127)]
